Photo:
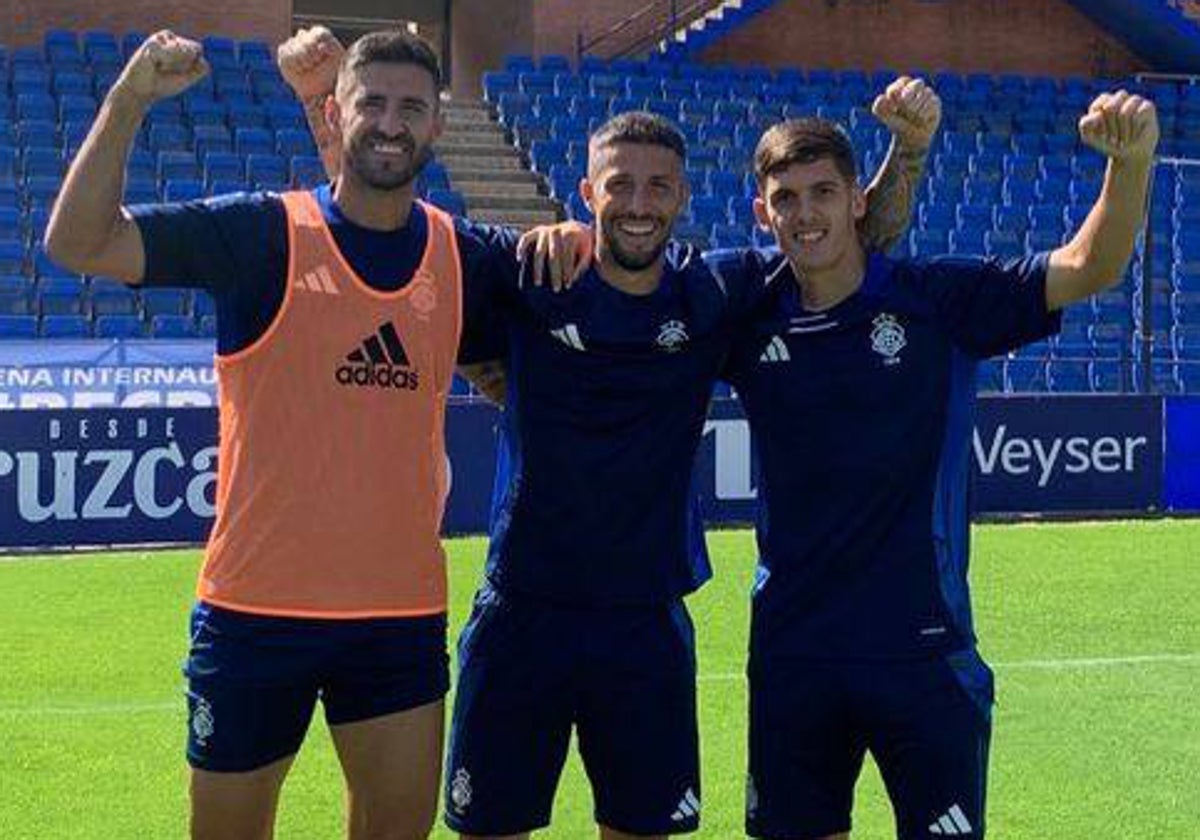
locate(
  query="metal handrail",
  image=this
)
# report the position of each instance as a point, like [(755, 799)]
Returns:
[(622, 25), (669, 9)]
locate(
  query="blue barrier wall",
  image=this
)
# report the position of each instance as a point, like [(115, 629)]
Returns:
[(128, 476), (1181, 479)]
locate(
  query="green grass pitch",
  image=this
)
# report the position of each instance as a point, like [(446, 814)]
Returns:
[(1094, 630)]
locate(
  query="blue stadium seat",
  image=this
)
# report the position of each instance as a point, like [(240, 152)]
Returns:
[(172, 326), (925, 243), (498, 83), (251, 140), (169, 138), (1066, 377), (38, 161), (708, 211), (308, 171), (178, 165), (109, 297), (65, 326), (18, 326), (267, 172), (158, 301), (990, 376), (1024, 375), (207, 327), (60, 296), (16, 296), (181, 189), (967, 241), (449, 200), (1005, 244), (118, 326), (12, 258), (1010, 218)]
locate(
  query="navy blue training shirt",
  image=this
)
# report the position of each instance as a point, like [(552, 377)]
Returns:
[(861, 416), (607, 398), (235, 247)]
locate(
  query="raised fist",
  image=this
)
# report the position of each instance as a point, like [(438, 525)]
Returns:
[(309, 62), (1121, 126), (163, 66), (911, 111)]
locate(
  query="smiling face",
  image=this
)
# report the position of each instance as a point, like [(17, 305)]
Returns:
[(388, 118), (813, 209), (636, 192)]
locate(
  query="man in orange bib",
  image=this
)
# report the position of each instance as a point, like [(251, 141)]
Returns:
[(341, 315)]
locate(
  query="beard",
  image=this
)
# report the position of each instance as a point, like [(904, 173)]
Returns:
[(387, 176), (631, 261)]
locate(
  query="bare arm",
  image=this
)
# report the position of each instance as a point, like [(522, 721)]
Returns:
[(89, 231), (1125, 128), (891, 197), (309, 62), (913, 113)]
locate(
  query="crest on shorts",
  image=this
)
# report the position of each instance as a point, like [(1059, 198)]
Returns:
[(672, 335), (887, 338), (203, 724), (460, 791), (751, 796)]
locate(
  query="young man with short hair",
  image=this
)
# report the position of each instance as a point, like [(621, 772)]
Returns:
[(857, 374)]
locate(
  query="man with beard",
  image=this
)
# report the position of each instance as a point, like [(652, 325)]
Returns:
[(596, 538), (857, 374), (341, 313)]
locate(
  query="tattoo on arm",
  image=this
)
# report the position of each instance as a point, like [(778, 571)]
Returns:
[(891, 197), (488, 379), (327, 143)]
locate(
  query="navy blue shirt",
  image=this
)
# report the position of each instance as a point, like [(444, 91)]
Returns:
[(607, 398), (236, 248), (861, 416)]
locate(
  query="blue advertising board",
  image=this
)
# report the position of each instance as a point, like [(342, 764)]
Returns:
[(130, 476), (1068, 454), (135, 476), (125, 373)]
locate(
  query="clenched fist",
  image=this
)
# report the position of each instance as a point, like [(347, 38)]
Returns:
[(1121, 126), (911, 111), (309, 62), (163, 66)]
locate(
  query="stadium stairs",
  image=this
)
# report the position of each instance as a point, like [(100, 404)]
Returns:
[(488, 172)]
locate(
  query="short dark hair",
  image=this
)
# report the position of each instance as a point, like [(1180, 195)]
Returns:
[(803, 141), (392, 46), (639, 127)]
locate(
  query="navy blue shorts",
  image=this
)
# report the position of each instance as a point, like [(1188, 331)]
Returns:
[(253, 680), (625, 679), (927, 723)]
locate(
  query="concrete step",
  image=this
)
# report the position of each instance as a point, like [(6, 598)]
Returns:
[(466, 106), (511, 202), (474, 146), (455, 158), (522, 219), (475, 174), (528, 189), (485, 131)]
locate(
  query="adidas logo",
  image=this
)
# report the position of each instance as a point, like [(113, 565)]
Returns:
[(776, 351), (953, 823), (569, 335), (379, 363), (319, 280), (689, 807)]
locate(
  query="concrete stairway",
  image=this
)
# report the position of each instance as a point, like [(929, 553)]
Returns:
[(489, 171)]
